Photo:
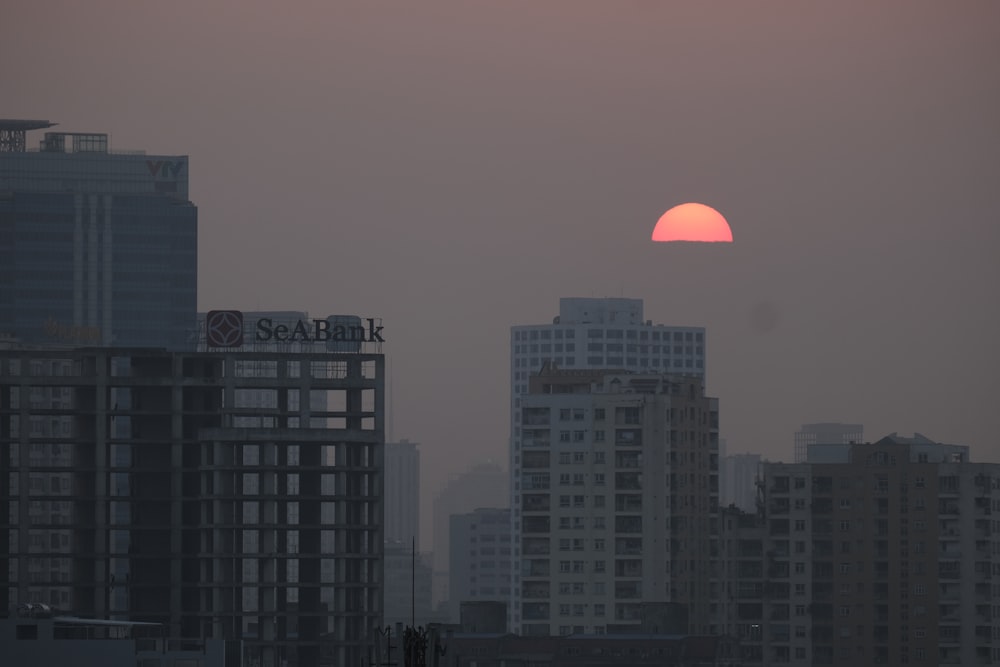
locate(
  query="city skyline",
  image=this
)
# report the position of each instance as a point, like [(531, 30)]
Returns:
[(462, 168)]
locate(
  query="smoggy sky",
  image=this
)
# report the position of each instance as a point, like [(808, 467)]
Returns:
[(455, 167)]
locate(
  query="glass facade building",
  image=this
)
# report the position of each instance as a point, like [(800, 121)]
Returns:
[(97, 247)]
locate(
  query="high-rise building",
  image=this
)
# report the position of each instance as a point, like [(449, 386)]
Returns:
[(882, 553), (596, 333), (826, 433), (133, 491), (480, 564), (97, 247), (483, 485), (618, 499), (402, 493)]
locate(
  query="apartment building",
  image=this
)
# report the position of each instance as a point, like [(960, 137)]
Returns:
[(882, 553), (618, 499)]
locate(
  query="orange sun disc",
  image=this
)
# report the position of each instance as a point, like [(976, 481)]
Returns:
[(693, 222)]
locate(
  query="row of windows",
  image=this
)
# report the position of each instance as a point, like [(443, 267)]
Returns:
[(631, 334), (631, 348), (614, 362)]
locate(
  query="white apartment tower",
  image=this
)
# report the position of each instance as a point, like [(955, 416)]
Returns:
[(595, 333), (618, 496)]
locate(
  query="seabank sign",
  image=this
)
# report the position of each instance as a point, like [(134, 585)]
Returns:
[(224, 328)]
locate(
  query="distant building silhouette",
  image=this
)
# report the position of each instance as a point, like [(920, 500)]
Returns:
[(826, 433), (407, 587), (480, 561), (402, 492), (483, 485), (738, 481)]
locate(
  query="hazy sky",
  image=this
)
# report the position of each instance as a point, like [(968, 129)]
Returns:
[(456, 167)]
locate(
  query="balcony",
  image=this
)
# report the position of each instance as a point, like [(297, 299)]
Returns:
[(628, 568), (536, 443), (535, 611), (535, 524), (628, 437), (536, 502)]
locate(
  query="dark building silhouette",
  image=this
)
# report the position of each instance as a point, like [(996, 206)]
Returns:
[(133, 494), (96, 247)]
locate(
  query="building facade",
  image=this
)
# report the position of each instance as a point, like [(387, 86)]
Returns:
[(483, 485), (130, 492), (402, 493), (738, 481), (480, 559), (407, 589), (618, 495), (882, 553), (826, 433), (591, 333), (96, 247)]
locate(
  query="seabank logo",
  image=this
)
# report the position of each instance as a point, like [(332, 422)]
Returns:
[(166, 169), (224, 328)]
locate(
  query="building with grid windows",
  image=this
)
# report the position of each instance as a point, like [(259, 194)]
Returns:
[(135, 489), (590, 333), (97, 247), (880, 553), (618, 495)]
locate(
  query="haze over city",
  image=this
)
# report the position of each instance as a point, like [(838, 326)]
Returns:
[(456, 168)]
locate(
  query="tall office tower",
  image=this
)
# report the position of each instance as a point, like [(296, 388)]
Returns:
[(826, 433), (619, 500), (166, 511), (881, 553), (738, 481), (483, 485), (96, 247), (606, 333), (480, 558), (402, 493)]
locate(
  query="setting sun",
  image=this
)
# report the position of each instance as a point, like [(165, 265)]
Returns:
[(692, 222)]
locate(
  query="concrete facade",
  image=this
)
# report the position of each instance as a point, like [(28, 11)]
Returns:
[(618, 499), (270, 534), (889, 556)]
